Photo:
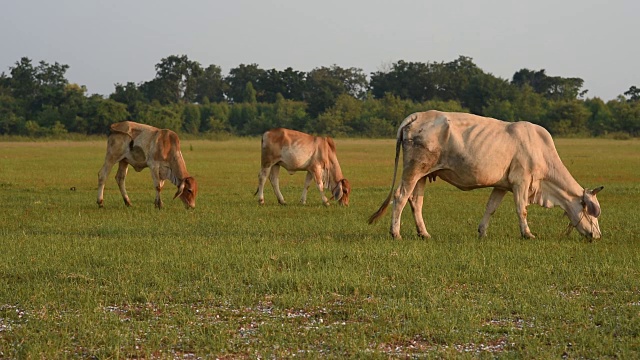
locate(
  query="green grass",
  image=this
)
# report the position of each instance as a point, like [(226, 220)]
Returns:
[(236, 280)]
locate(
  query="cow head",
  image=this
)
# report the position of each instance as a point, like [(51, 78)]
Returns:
[(187, 191), (342, 191), (587, 221)]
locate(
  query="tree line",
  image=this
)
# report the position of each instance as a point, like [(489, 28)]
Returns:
[(38, 100)]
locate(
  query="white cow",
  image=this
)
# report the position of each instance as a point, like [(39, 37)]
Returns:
[(470, 152), (297, 151)]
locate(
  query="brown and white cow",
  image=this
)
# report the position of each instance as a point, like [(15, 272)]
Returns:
[(470, 152), (142, 146), (297, 151)]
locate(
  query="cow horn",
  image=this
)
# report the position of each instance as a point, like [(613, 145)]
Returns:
[(180, 189)]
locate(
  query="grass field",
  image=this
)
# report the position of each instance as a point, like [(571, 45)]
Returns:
[(232, 279)]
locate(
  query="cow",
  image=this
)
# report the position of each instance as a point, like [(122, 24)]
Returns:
[(142, 146), (470, 152), (297, 151)]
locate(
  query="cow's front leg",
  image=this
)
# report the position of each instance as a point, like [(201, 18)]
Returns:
[(158, 201), (158, 183), (307, 182), (494, 201), (415, 201), (123, 167), (275, 183), (520, 197), (317, 174)]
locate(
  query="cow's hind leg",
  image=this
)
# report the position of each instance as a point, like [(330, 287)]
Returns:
[(494, 201), (416, 200), (123, 166), (307, 182), (275, 183), (400, 198), (262, 179), (102, 178)]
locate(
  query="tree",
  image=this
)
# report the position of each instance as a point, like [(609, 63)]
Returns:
[(530, 106), (294, 83), (249, 95), (72, 109), (215, 117), (601, 120), (238, 79), (633, 93), (568, 117), (451, 80), (176, 80), (160, 116), (325, 84), (128, 94), (37, 87), (406, 80), (552, 87), (211, 85), (102, 112), (627, 115), (289, 83), (484, 89), (191, 118)]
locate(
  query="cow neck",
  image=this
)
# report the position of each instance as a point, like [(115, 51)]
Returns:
[(336, 171), (178, 169), (565, 189)]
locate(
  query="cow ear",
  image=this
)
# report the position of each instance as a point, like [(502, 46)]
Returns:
[(597, 190), (592, 207), (337, 191), (180, 189)]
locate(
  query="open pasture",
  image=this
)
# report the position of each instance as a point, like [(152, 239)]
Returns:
[(232, 279)]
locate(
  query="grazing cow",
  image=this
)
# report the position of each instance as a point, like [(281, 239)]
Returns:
[(470, 152), (297, 151), (144, 146)]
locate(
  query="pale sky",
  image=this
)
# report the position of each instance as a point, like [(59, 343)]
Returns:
[(117, 41)]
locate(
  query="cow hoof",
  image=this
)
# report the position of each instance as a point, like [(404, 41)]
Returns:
[(528, 236), (261, 202), (424, 236)]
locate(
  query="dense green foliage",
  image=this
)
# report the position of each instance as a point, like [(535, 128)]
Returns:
[(235, 280), (184, 96)]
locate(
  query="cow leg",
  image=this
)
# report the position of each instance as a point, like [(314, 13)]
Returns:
[(123, 166), (275, 183), (262, 179), (400, 198), (520, 197), (158, 184), (307, 183), (317, 174), (416, 201), (494, 201), (102, 178)]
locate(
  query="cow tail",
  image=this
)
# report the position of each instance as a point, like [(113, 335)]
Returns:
[(261, 151), (385, 204)]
